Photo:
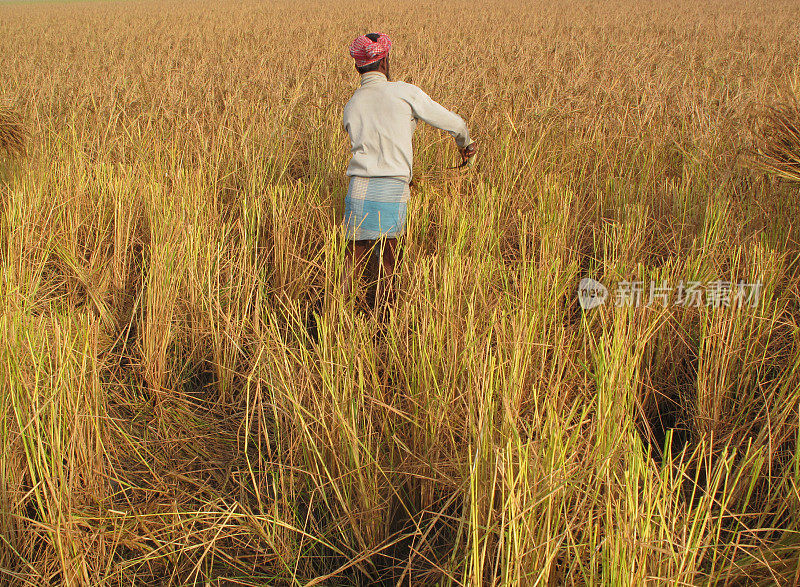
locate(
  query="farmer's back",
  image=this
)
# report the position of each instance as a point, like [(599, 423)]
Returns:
[(381, 123), (380, 119)]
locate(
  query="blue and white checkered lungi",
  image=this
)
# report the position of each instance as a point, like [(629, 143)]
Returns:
[(375, 207)]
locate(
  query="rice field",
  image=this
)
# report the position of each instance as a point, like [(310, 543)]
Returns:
[(188, 398)]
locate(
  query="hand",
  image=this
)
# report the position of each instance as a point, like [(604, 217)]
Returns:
[(468, 151)]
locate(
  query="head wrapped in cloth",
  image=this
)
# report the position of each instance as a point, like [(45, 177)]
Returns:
[(365, 51)]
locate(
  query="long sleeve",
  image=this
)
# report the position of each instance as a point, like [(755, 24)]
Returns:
[(426, 109)]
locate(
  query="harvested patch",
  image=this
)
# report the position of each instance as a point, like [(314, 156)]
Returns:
[(12, 132), (776, 130)]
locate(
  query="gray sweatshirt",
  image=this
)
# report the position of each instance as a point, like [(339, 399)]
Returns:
[(380, 119)]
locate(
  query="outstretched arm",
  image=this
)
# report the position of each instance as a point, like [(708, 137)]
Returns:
[(425, 108)]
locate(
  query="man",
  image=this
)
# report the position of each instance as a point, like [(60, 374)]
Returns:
[(380, 119)]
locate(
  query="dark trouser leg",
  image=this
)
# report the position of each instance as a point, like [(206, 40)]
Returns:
[(386, 287), (355, 255)]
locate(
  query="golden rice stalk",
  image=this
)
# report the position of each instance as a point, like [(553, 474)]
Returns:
[(12, 132), (776, 130)]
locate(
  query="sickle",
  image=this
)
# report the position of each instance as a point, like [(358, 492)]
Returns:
[(468, 161), (460, 165)]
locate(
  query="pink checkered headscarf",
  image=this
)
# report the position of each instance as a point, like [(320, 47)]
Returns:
[(365, 51)]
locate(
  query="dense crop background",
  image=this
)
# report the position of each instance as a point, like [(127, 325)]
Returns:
[(187, 398)]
